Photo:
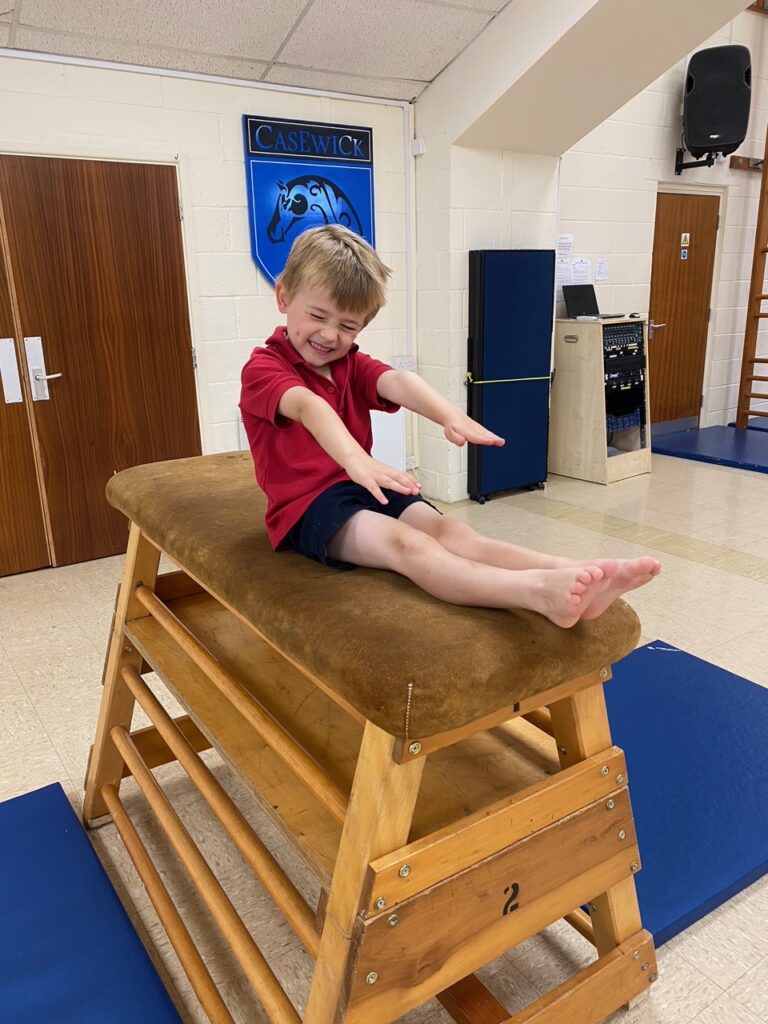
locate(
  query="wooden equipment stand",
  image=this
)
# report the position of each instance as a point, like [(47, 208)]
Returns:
[(435, 855)]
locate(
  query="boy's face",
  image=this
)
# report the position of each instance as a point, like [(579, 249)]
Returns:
[(317, 329)]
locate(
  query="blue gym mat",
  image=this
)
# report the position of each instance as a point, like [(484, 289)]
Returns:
[(755, 423), (724, 446), (68, 952), (695, 741)]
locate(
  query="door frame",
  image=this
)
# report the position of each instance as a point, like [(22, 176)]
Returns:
[(697, 189), (123, 155)]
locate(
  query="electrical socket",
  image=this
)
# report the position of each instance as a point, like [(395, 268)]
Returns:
[(405, 363)]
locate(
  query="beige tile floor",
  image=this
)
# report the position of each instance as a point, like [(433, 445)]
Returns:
[(708, 525)]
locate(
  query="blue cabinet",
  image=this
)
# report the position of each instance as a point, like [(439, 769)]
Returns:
[(509, 353)]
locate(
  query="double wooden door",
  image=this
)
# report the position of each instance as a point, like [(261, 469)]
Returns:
[(95, 349)]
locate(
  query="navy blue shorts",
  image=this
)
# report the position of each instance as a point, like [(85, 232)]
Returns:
[(331, 509)]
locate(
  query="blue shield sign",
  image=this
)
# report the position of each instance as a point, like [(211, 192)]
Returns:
[(301, 175)]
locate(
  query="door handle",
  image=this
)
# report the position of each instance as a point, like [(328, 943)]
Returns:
[(10, 382), (38, 378), (653, 327)]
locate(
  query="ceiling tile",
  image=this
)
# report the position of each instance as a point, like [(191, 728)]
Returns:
[(132, 53), (239, 28), (329, 81), (392, 38)]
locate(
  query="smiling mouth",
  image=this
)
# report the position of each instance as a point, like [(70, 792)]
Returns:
[(320, 348)]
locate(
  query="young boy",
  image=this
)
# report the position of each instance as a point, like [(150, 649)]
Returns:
[(306, 401)]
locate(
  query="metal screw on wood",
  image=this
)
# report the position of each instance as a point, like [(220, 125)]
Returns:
[(604, 770), (372, 977), (405, 871), (622, 834), (646, 966), (562, 750), (654, 976), (127, 650), (414, 748), (636, 955), (592, 906), (610, 804), (392, 920), (620, 779), (635, 867), (380, 903), (603, 673)]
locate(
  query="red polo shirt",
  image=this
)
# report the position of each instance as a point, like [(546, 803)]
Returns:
[(291, 467)]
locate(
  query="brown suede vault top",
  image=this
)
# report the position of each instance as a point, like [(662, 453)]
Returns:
[(369, 635)]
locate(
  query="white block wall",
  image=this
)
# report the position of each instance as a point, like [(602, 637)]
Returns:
[(64, 110), (608, 188), (467, 199)]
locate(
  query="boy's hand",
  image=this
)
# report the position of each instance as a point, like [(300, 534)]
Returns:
[(374, 475), (461, 428)]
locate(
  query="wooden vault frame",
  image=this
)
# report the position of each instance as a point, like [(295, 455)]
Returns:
[(434, 856)]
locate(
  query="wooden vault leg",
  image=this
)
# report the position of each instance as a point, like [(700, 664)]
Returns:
[(580, 726), (105, 765), (378, 821)]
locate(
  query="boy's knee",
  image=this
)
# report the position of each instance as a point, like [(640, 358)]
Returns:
[(406, 541), (453, 530)]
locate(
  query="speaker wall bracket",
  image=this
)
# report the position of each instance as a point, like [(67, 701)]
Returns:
[(709, 161)]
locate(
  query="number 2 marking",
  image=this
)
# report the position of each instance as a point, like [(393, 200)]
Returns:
[(511, 904)]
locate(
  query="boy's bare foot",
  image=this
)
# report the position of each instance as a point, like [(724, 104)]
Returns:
[(619, 576), (560, 594)]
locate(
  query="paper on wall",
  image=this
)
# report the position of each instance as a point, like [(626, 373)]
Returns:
[(564, 246), (601, 270), (582, 271)]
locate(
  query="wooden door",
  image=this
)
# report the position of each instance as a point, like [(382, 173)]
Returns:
[(681, 287), (97, 260), (23, 542)]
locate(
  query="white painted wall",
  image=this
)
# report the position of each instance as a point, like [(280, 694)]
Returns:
[(56, 109), (467, 199), (608, 188)]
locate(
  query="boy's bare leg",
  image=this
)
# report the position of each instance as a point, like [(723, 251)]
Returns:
[(620, 574), (378, 542)]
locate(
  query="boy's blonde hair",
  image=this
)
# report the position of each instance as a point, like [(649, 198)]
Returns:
[(335, 258)]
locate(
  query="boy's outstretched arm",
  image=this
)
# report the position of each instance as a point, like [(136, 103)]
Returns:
[(328, 430), (409, 390)]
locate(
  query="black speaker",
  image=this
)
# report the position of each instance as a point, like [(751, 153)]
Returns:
[(718, 86)]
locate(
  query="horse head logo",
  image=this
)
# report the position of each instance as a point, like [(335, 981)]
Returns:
[(310, 202)]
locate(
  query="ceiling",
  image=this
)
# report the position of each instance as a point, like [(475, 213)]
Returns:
[(386, 48)]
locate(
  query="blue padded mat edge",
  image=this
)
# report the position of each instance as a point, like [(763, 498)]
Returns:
[(723, 446), (68, 951), (695, 741)]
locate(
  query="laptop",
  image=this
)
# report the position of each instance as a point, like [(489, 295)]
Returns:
[(580, 300)]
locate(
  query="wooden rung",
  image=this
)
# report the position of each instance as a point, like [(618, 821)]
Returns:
[(541, 719), (760, 316), (754, 377), (250, 958), (755, 394), (155, 751), (470, 1002), (290, 752), (269, 872), (755, 412), (582, 923), (187, 952), (759, 360)]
